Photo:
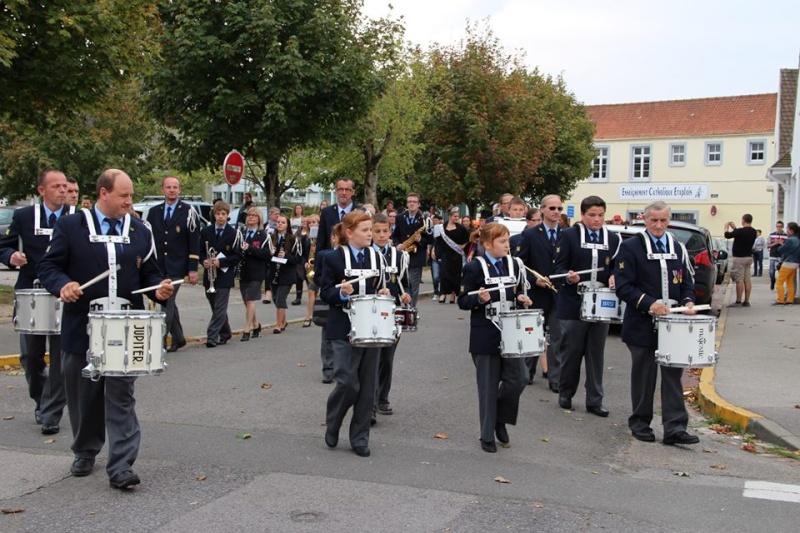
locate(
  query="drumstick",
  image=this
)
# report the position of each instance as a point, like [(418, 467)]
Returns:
[(362, 278), (497, 288), (97, 278), (156, 287), (587, 271), (704, 307)]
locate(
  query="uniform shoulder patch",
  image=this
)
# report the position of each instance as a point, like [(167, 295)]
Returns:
[(621, 265)]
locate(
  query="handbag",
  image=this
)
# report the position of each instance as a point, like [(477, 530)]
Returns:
[(319, 316)]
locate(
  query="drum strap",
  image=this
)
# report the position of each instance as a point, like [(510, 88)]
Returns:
[(361, 286), (593, 247), (494, 309), (110, 241), (37, 213), (662, 260)]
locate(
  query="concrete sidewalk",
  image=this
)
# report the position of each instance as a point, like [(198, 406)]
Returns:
[(754, 384)]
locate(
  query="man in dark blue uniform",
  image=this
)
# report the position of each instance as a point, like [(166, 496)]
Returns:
[(177, 234), (648, 265), (406, 225), (333, 214), (23, 246), (72, 260)]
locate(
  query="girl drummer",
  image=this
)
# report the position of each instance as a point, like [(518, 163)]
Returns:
[(355, 369), (500, 380)]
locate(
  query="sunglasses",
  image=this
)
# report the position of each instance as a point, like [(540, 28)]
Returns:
[(554, 208)]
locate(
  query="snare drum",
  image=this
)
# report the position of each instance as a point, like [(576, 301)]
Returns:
[(600, 304), (125, 343), (37, 312), (521, 333), (686, 340), (372, 321), (406, 318)]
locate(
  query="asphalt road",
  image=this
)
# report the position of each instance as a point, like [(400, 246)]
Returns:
[(568, 471)]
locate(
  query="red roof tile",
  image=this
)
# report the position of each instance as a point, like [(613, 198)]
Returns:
[(729, 115)]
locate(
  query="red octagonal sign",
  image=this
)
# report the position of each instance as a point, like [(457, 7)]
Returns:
[(233, 167)]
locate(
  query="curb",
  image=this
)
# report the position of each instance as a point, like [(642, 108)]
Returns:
[(712, 404)]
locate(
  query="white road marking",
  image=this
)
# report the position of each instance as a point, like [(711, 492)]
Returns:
[(772, 491)]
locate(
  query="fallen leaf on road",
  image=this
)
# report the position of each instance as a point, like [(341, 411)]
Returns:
[(9, 417), (501, 479), (538, 506), (49, 441), (682, 474), (749, 447), (16, 373), (797, 406), (201, 477), (12, 511), (428, 463), (243, 436), (301, 365), (442, 436), (706, 450), (7, 367), (721, 429), (266, 385), (9, 387), (719, 467), (545, 439)]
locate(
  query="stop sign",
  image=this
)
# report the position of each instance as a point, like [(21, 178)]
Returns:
[(233, 167)]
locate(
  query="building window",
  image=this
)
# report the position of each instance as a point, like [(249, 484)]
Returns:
[(756, 152), (713, 153), (600, 165), (640, 163), (677, 154)]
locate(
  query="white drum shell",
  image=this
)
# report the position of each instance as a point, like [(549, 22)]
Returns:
[(372, 321), (600, 304), (37, 312), (126, 343), (686, 340), (521, 333)]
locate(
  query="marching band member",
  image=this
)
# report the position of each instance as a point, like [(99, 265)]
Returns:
[(309, 256), (412, 223), (586, 245), (23, 246), (84, 245), (395, 263), (252, 269), (219, 253), (651, 269), (285, 251), (325, 349), (500, 380), (355, 369)]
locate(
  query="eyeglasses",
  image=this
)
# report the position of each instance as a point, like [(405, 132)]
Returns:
[(412, 201), (554, 208), (343, 189)]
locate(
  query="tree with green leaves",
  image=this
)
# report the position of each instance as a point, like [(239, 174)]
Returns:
[(263, 76)]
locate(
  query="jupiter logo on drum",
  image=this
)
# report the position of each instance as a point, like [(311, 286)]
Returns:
[(138, 343)]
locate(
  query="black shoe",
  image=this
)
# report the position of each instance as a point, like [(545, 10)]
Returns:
[(81, 467), (361, 451), (265, 301), (326, 379), (373, 419), (502, 435), (256, 332), (331, 439), (276, 331), (544, 375), (489, 447), (211, 344), (598, 410), (175, 346), (245, 337), (124, 480), (645, 435), (223, 340), (530, 380), (772, 286), (565, 402), (553, 386), (297, 301), (50, 429), (680, 437), (37, 415), (385, 409)]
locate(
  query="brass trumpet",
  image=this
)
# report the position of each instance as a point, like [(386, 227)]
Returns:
[(543, 279), (310, 264), (211, 255)]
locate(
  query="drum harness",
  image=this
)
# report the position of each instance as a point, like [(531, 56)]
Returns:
[(662, 259), (37, 213), (494, 309), (594, 247), (396, 269), (361, 286)]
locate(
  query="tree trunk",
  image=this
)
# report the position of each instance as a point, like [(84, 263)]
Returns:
[(371, 161), (271, 185)]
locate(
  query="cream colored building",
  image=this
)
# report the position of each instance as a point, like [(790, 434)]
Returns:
[(706, 157)]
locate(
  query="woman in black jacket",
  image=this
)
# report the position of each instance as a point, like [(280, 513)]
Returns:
[(285, 253), (252, 269)]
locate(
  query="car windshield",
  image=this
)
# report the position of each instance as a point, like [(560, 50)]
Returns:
[(5, 216)]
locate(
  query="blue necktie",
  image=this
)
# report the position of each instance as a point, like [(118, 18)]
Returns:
[(593, 237), (552, 237), (112, 226), (250, 236), (498, 266), (51, 220), (169, 213), (342, 214), (660, 246), (360, 260), (219, 233)]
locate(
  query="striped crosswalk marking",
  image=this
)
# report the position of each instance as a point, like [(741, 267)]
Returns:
[(772, 491)]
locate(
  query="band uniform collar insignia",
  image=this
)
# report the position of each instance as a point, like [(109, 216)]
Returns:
[(621, 265), (177, 229)]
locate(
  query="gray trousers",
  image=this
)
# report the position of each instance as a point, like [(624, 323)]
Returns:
[(643, 386), (99, 406), (385, 368), (218, 326), (500, 384), (173, 319), (414, 277), (355, 371), (583, 340), (326, 354), (46, 388), (553, 348)]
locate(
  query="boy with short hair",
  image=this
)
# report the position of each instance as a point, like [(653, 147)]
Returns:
[(397, 282)]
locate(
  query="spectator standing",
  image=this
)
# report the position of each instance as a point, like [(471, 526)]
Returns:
[(743, 240), (758, 254), (776, 238), (790, 261)]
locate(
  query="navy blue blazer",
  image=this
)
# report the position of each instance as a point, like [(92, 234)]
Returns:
[(338, 326), (484, 337), (403, 230), (71, 257), (178, 248), (33, 246), (328, 218), (536, 252), (223, 245), (638, 283), (570, 256), (251, 268)]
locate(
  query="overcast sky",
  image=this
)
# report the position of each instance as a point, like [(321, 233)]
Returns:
[(624, 51)]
